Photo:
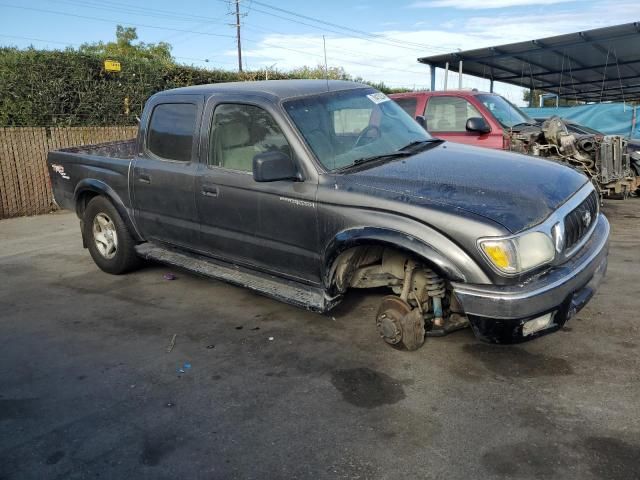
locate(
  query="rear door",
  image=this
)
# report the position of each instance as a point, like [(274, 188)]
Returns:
[(165, 170), (447, 116), (270, 226)]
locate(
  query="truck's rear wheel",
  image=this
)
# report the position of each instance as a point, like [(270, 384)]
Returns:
[(110, 244)]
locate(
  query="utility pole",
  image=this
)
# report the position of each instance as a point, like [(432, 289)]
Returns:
[(238, 35)]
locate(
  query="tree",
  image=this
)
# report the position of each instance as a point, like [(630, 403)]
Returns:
[(547, 102), (333, 73), (124, 48)]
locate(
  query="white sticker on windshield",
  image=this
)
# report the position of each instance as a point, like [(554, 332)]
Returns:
[(378, 97)]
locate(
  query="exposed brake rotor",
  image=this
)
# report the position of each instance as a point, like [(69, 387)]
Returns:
[(399, 325)]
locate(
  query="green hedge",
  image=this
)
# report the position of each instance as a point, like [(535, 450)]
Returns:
[(68, 88)]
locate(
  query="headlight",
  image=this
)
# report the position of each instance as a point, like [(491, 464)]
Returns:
[(518, 254)]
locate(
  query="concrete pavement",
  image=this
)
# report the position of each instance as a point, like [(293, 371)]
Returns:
[(88, 390)]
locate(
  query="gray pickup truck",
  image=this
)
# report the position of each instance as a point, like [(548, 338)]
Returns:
[(304, 189)]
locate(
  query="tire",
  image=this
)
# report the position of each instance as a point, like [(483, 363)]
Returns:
[(110, 244)]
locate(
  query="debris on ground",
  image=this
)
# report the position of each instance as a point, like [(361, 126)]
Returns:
[(184, 368), (271, 339), (211, 346), (239, 327), (172, 343), (169, 276), (255, 328)]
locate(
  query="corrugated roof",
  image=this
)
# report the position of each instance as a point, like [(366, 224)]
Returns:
[(593, 65)]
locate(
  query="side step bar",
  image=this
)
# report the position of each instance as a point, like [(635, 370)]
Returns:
[(311, 298)]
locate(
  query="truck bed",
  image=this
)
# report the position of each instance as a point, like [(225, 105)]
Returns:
[(105, 166), (124, 149)]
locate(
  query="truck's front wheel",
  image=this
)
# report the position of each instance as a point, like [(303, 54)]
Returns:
[(109, 242)]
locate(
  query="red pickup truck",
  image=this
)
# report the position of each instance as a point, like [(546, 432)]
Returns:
[(447, 115), (489, 120)]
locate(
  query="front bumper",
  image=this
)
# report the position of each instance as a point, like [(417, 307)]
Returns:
[(498, 313)]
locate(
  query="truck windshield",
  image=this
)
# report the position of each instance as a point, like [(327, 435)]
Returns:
[(504, 111), (353, 126)]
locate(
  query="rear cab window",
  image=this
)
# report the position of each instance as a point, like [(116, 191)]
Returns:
[(350, 121), (171, 130)]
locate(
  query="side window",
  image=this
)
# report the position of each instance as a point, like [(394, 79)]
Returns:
[(351, 121), (408, 104), (449, 114), (171, 130), (239, 133)]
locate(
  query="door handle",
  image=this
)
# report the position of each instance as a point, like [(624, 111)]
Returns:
[(209, 191), (144, 178)]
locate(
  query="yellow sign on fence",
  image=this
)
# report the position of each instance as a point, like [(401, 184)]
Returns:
[(112, 66)]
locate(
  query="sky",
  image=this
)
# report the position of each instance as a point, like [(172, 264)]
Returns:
[(374, 39)]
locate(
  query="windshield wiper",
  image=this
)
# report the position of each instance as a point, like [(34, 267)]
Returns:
[(418, 143), (372, 158), (399, 153), (406, 151)]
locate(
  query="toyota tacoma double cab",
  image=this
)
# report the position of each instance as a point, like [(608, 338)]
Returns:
[(304, 189)]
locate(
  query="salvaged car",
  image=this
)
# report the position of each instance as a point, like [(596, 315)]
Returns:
[(489, 120), (302, 190)]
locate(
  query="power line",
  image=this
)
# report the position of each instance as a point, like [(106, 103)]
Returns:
[(382, 39), (153, 12), (145, 12), (320, 56), (54, 12), (39, 40), (369, 56), (324, 29)]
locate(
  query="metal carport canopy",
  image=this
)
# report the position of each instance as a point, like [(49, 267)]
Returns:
[(591, 66)]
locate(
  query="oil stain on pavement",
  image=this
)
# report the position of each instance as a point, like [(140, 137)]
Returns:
[(155, 449), (366, 388)]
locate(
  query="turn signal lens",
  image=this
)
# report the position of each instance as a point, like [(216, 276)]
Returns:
[(498, 255), (501, 253)]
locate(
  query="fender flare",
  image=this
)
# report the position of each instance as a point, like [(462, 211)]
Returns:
[(101, 188), (347, 239)]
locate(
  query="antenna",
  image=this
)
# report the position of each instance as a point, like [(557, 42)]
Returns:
[(326, 69), (326, 76)]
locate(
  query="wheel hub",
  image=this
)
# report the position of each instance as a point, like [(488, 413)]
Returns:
[(389, 327), (105, 236), (399, 325)]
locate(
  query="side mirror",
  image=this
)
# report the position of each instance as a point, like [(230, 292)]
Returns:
[(272, 166), (477, 124), (421, 121)]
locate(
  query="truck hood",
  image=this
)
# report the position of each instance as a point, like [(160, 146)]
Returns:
[(516, 191)]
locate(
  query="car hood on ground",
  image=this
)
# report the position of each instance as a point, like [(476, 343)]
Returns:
[(513, 190)]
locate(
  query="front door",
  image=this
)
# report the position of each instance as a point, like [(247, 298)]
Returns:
[(270, 226), (164, 172)]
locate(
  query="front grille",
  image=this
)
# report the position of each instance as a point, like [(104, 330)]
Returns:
[(578, 222)]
